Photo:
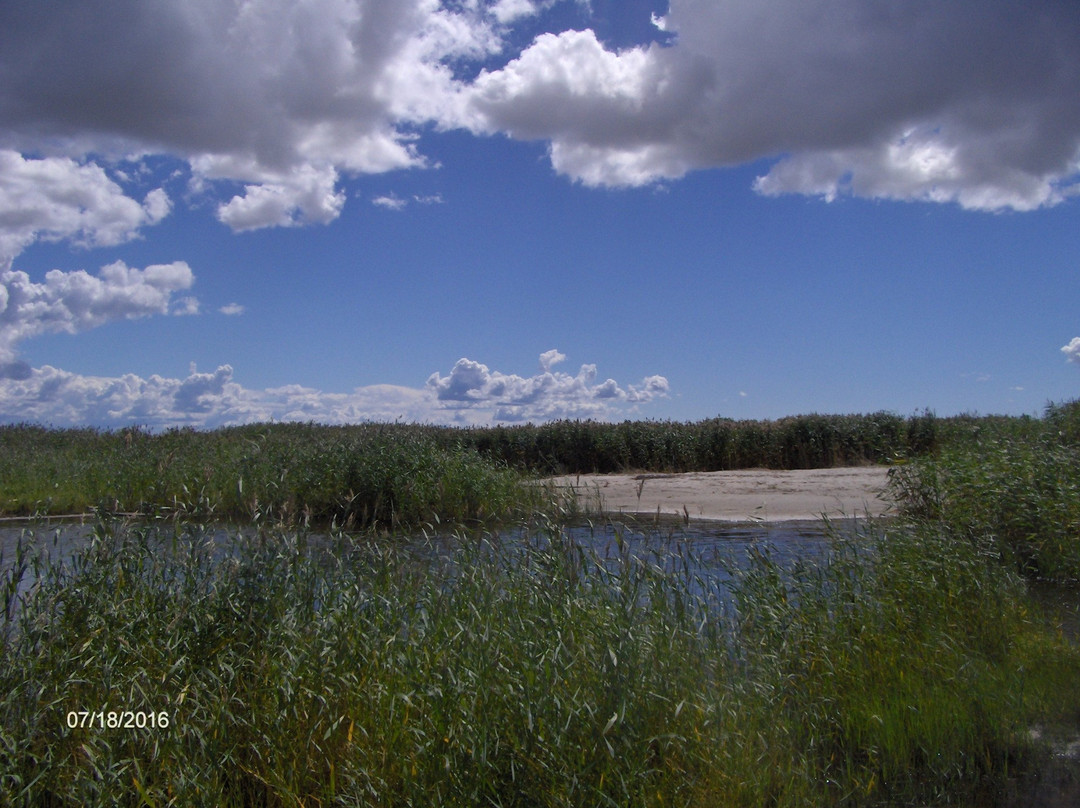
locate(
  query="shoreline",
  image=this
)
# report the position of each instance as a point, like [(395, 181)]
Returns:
[(743, 496)]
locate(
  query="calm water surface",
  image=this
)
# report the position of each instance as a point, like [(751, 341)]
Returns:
[(706, 550), (707, 547)]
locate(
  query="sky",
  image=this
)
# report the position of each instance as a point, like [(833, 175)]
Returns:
[(469, 212)]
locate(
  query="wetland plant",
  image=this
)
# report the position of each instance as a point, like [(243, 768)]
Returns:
[(528, 670)]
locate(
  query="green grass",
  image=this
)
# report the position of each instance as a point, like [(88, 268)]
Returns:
[(394, 475), (367, 476), (483, 671), (477, 670), (1013, 496)]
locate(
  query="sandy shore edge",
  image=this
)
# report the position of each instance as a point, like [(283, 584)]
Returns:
[(737, 496)]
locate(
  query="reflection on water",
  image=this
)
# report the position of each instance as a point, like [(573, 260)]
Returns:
[(786, 541), (703, 549)]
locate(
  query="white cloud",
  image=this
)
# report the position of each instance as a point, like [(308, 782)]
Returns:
[(924, 100), (549, 358), (507, 11), (914, 166), (651, 387), (570, 86), (76, 301), (186, 306), (202, 393), (471, 394), (1072, 350), (305, 195), (282, 97), (472, 387), (390, 202), (50, 395), (58, 198), (232, 309), (394, 202), (921, 101)]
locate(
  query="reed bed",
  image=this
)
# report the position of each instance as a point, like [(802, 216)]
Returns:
[(372, 476), (278, 666), (532, 671), (1016, 497), (716, 444), (395, 475)]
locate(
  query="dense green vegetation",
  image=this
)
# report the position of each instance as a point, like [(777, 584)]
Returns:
[(367, 476), (1012, 491), (394, 475), (531, 673), (521, 668), (804, 441)]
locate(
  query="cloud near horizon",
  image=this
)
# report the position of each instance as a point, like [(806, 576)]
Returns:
[(470, 395), (549, 395)]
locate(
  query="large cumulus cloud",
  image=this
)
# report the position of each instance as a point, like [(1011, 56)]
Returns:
[(921, 99), (271, 102), (278, 96), (471, 394)]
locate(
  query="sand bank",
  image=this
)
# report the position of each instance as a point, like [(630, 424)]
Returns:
[(756, 494)]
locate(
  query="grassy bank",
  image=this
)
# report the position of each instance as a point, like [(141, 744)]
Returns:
[(393, 475), (290, 670), (366, 476), (531, 674)]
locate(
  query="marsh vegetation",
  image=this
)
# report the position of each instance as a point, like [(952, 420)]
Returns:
[(486, 666), (399, 475)]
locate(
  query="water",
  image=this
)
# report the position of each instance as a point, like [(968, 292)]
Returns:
[(703, 548), (702, 552), (1060, 605)]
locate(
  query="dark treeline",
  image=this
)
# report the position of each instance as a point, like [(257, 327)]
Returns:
[(716, 444)]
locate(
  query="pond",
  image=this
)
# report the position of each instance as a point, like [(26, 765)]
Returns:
[(703, 552), (706, 548)]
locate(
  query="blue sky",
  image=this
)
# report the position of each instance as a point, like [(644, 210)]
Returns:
[(481, 212)]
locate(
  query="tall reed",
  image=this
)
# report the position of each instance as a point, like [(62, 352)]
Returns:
[(522, 671), (1016, 497), (399, 474), (365, 476)]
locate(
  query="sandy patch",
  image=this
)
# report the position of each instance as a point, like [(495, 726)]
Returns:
[(755, 494)]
